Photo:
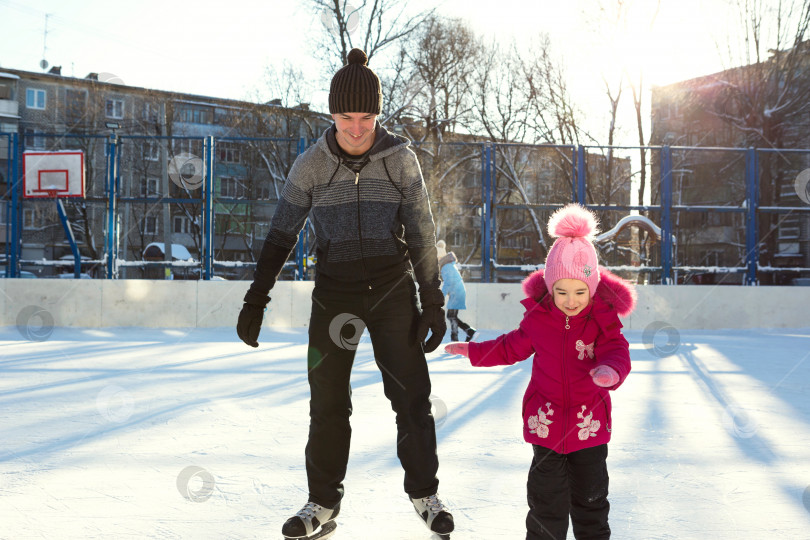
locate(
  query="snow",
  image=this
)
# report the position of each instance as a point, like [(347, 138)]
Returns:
[(624, 222), (98, 427)]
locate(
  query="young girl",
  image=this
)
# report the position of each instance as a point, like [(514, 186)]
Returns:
[(572, 327)]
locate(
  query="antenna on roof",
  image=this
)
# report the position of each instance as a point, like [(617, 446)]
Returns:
[(44, 63)]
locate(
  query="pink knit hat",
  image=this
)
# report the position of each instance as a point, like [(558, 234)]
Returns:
[(573, 254)]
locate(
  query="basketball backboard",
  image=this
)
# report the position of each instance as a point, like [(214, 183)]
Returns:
[(53, 174)]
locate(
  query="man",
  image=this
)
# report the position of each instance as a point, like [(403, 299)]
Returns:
[(364, 192)]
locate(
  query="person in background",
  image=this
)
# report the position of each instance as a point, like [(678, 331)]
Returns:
[(453, 286)]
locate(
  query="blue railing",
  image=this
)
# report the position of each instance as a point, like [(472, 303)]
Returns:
[(216, 167)]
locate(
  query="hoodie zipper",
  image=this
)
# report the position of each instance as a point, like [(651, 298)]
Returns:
[(360, 229), (565, 385)]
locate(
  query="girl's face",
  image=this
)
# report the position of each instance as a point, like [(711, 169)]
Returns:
[(571, 296)]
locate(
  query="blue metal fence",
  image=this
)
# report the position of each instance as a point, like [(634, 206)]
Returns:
[(661, 169)]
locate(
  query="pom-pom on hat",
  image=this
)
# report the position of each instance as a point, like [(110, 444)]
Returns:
[(441, 249), (573, 254), (355, 88)]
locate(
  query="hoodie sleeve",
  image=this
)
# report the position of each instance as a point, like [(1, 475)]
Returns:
[(288, 220), (611, 348), (504, 350), (420, 231)]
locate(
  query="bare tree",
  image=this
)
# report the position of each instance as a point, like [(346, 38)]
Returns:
[(443, 54), (764, 102), (761, 99), (503, 111), (614, 96), (431, 99), (370, 25), (554, 117)]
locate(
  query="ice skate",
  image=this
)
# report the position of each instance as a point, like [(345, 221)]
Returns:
[(471, 333), (435, 515), (312, 522)]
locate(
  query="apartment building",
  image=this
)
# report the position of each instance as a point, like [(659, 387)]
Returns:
[(761, 106), (159, 136)]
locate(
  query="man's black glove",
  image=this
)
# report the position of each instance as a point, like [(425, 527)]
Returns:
[(250, 318), (432, 319)]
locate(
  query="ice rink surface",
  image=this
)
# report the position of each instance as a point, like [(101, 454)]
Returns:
[(134, 433)]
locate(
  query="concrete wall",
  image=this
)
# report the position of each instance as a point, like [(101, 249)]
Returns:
[(178, 304)]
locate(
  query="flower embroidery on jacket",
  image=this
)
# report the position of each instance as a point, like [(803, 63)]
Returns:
[(582, 348), (539, 424), (588, 425)]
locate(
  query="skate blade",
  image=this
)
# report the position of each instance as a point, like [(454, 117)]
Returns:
[(326, 531)]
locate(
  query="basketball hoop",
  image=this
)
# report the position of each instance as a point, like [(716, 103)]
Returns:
[(49, 175)]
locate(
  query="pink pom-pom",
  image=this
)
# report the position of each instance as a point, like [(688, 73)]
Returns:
[(572, 221)]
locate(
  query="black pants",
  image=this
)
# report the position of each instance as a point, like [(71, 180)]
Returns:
[(336, 325), (455, 324), (563, 484)]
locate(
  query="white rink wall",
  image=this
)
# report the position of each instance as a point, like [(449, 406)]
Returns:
[(208, 304)]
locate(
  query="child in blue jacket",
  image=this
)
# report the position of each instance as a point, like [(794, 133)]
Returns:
[(453, 285)]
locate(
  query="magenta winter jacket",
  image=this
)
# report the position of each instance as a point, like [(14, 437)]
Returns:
[(563, 409)]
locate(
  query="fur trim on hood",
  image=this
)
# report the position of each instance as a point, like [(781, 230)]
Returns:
[(619, 293)]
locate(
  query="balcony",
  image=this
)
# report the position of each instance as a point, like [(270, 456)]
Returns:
[(9, 109)]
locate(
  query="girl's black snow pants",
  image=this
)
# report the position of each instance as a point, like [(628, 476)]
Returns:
[(563, 484)]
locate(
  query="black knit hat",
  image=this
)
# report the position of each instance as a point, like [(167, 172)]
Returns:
[(355, 88)]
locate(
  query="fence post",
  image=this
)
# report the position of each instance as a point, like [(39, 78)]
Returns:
[(485, 208), (751, 204), (112, 206), (208, 208), (300, 247), (74, 248), (666, 215), (581, 175), (493, 210), (14, 212)]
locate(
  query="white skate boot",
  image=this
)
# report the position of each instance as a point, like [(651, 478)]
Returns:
[(312, 522), (435, 515)]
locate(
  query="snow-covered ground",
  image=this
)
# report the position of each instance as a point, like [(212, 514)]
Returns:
[(98, 429)]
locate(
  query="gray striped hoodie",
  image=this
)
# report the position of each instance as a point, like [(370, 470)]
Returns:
[(371, 226)]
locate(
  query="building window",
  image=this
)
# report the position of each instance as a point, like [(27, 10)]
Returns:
[(228, 152), (195, 114), (182, 225), (28, 218), (711, 257), (262, 191), (6, 89), (150, 225), (231, 188), (149, 187), (151, 150), (35, 99), (187, 146), (37, 218), (115, 108), (150, 112), (788, 249), (231, 224), (33, 141), (787, 191)]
